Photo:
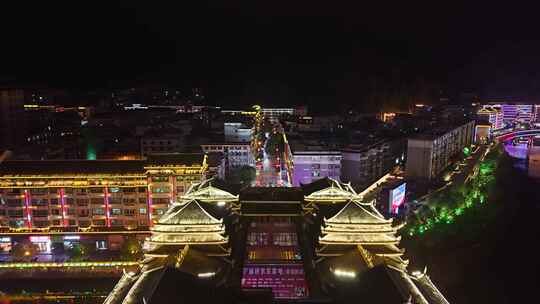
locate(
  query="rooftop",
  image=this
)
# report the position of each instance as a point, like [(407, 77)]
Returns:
[(30, 167), (272, 194), (438, 132)]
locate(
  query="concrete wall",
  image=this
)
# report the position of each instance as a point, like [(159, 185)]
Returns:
[(419, 160)]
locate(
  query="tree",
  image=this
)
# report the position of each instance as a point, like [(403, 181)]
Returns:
[(274, 142), (242, 175), (24, 251), (80, 252), (131, 249)]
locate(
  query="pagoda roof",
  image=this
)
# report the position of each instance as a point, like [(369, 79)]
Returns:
[(190, 213), (326, 183), (188, 223), (358, 223), (272, 194), (335, 193), (358, 238), (358, 213), (204, 191), (188, 238)]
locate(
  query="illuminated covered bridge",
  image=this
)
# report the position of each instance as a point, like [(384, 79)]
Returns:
[(515, 134), (319, 242)]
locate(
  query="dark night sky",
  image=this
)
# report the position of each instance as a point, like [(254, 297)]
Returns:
[(304, 50)]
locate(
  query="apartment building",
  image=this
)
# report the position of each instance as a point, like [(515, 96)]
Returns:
[(493, 115), (82, 193), (429, 154), (364, 164), (235, 154), (310, 166)]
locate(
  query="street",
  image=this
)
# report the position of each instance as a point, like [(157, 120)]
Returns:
[(273, 170)]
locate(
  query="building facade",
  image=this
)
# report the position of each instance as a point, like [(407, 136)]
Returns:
[(362, 165), (235, 154), (429, 154), (273, 114), (515, 112), (160, 144), (12, 120), (85, 194), (236, 132), (493, 115), (313, 165)]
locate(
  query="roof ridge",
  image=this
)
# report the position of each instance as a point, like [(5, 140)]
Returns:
[(356, 205), (184, 207)]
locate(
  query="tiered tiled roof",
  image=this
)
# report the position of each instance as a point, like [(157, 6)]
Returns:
[(359, 224), (335, 192), (205, 192), (188, 224)]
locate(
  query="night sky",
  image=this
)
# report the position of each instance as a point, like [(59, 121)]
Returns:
[(284, 52)]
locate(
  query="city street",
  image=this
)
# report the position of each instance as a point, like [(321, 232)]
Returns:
[(272, 170), (268, 172)]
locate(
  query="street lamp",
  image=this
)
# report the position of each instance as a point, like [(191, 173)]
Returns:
[(344, 273), (205, 275)]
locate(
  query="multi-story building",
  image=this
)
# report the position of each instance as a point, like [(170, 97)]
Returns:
[(273, 114), (493, 115), (364, 164), (536, 116), (515, 112), (313, 165), (235, 154), (429, 154), (236, 132), (78, 193), (166, 143), (533, 155), (482, 133), (12, 122)]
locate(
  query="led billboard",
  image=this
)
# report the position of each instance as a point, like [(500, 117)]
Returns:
[(397, 198)]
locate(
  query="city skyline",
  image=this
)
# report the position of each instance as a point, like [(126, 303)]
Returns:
[(280, 54), (268, 152)]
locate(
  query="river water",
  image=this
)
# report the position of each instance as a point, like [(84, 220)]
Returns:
[(45, 291), (520, 153)]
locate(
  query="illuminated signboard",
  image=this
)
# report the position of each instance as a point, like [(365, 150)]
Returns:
[(397, 198), (273, 259), (40, 239), (72, 237), (287, 281)]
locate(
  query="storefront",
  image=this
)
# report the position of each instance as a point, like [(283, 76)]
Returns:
[(42, 242), (70, 241), (5, 244)]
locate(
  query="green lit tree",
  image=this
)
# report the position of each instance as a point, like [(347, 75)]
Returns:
[(244, 175), (80, 252), (274, 142), (131, 249)]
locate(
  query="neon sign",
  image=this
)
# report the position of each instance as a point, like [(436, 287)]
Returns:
[(397, 198)]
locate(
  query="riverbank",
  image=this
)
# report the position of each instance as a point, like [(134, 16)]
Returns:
[(56, 290), (9, 271), (482, 256)]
